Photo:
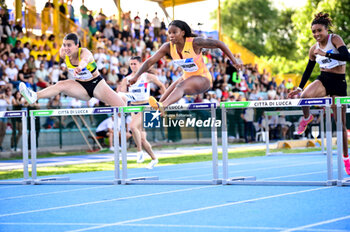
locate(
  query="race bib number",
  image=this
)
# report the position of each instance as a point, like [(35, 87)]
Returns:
[(188, 65), (83, 75)]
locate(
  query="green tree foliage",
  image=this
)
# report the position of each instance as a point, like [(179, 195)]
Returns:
[(249, 22), (282, 37)]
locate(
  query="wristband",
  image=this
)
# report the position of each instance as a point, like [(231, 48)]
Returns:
[(328, 54), (300, 89)]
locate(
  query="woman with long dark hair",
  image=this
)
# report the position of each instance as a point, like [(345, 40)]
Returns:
[(88, 82), (185, 48), (330, 53)]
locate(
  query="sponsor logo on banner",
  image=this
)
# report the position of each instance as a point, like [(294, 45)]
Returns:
[(13, 114), (103, 111), (151, 119), (201, 106), (314, 102), (43, 113), (344, 100)]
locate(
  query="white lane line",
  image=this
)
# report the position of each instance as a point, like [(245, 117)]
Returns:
[(104, 201), (57, 192), (163, 225), (228, 227), (199, 209), (318, 224)]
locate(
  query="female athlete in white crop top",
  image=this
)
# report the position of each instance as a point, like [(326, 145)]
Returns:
[(330, 53)]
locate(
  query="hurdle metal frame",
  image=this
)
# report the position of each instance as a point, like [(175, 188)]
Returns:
[(341, 101), (292, 113), (20, 114), (251, 180), (73, 111), (155, 180)]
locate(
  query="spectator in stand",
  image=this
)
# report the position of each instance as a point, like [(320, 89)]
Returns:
[(84, 16), (17, 49), (147, 24), (71, 11), (3, 121), (108, 32), (17, 104), (63, 72), (100, 58), (12, 73), (248, 118), (42, 77), (289, 84), (137, 26), (20, 60), (54, 73), (156, 25), (26, 75), (271, 93)]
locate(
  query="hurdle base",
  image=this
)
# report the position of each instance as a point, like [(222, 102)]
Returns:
[(67, 181), (344, 182), (19, 182), (242, 181), (174, 182)]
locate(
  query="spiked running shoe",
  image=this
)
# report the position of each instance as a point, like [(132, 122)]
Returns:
[(152, 164), (28, 94), (156, 105), (303, 124), (347, 165)]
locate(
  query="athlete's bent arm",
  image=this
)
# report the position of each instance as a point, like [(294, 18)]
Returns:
[(86, 58), (338, 42), (154, 79), (164, 49), (199, 43)]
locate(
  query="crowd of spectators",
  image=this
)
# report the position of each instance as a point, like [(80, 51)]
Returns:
[(34, 59)]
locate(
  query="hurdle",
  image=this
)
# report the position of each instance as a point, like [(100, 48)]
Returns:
[(341, 101), (292, 113), (20, 114), (155, 180), (65, 112), (251, 180)]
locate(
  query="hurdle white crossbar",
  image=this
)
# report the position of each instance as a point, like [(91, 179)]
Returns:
[(341, 102), (326, 102), (65, 112), (155, 180), (20, 114), (292, 113)]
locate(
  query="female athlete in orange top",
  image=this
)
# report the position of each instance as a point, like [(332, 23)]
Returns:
[(186, 51)]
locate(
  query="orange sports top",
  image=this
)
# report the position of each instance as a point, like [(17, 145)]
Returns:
[(190, 62)]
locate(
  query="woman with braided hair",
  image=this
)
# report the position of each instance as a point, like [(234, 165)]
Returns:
[(185, 48), (331, 54)]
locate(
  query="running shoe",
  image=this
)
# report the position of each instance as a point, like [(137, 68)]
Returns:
[(347, 165), (303, 124), (28, 94), (140, 157), (152, 164), (156, 105)]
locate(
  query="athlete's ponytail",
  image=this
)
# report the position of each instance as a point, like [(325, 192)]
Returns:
[(184, 27), (74, 37), (324, 19)]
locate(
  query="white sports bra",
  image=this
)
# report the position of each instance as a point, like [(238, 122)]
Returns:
[(326, 62)]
